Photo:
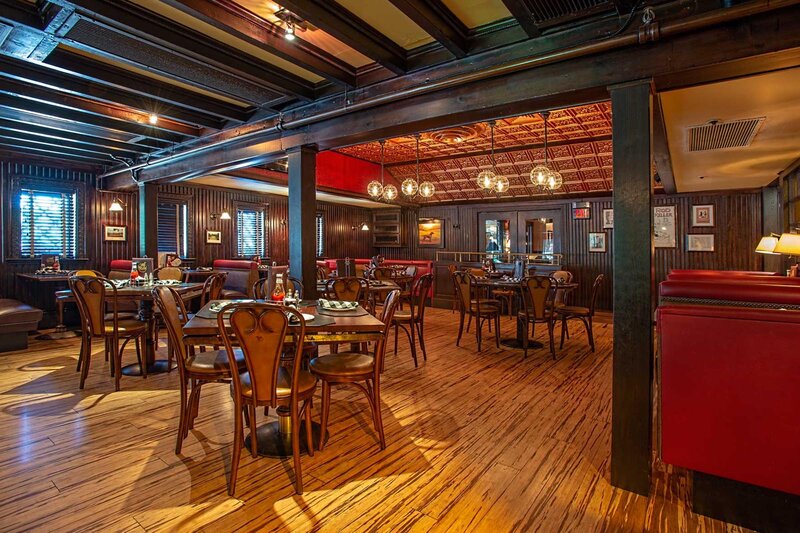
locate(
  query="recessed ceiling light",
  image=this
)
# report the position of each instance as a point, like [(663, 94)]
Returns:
[(153, 119), (289, 33)]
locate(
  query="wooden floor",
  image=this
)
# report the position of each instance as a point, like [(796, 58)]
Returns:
[(476, 442)]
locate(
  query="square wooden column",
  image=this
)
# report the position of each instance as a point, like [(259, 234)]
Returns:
[(771, 222), (302, 217), (631, 425), (148, 220)]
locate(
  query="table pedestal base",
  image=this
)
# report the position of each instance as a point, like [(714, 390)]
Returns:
[(61, 332), (159, 366), (517, 344), (272, 442)]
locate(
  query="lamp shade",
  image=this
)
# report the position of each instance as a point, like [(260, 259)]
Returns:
[(788, 244), (767, 245), (115, 207)]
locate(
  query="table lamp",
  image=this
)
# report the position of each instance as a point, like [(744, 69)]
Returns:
[(789, 244), (767, 244)]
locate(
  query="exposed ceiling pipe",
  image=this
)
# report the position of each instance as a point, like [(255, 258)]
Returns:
[(665, 29)]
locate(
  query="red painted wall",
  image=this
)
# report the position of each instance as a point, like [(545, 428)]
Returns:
[(345, 173)]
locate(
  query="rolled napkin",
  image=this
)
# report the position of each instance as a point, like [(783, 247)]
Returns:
[(167, 282), (336, 305)]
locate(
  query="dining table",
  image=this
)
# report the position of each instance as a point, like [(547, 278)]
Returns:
[(56, 278), (143, 294), (518, 342), (328, 326)]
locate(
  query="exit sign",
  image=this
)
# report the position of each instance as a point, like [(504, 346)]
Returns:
[(581, 211)]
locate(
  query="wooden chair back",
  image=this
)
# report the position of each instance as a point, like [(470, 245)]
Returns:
[(212, 287), (323, 273), (411, 270), (346, 289), (260, 330), (90, 295), (562, 276), (361, 271), (598, 281), (537, 295), (389, 308), (382, 273), (419, 295), (173, 273), (86, 272), (261, 289), (172, 308), (462, 282), (296, 285), (477, 272)]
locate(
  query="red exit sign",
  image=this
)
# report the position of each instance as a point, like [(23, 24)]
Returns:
[(581, 213)]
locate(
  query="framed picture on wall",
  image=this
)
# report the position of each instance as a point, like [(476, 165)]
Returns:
[(700, 243), (115, 233), (213, 237), (430, 234), (608, 219), (597, 242), (664, 226), (703, 216)]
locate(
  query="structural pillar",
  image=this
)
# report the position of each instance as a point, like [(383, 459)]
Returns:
[(771, 222), (302, 217), (631, 424), (148, 220)]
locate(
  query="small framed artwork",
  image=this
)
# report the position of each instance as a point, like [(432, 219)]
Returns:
[(597, 242), (115, 233), (664, 235), (608, 219), (213, 237), (703, 216), (700, 243), (430, 233)]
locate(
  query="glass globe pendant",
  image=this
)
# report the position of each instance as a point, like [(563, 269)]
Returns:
[(389, 193), (501, 185), (486, 179), (409, 187), (426, 189), (539, 175), (555, 180), (375, 189)]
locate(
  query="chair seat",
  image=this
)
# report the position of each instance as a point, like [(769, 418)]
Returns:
[(405, 316), (229, 294), (344, 364), (546, 316), (306, 383), (214, 362), (121, 316), (125, 326), (574, 310)]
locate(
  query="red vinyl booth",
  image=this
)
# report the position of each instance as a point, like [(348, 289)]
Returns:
[(241, 276), (683, 273), (729, 375)]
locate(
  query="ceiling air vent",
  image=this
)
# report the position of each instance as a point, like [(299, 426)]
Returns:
[(716, 135)]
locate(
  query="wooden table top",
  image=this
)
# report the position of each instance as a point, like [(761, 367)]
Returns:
[(499, 282), (142, 292), (204, 327), (45, 277), (386, 285)]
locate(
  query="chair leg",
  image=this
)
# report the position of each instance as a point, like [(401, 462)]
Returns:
[(376, 406), (87, 357), (139, 341), (497, 330), (524, 338), (421, 335), (80, 353), (412, 343), (298, 474), (251, 410), (460, 328), (183, 417), (563, 331), (117, 361), (550, 327), (309, 435), (195, 402), (326, 406), (477, 330), (238, 438), (469, 322), (588, 323), (396, 333)]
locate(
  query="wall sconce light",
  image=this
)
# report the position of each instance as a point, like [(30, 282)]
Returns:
[(456, 226), (222, 216), (283, 222), (363, 226), (116, 206)]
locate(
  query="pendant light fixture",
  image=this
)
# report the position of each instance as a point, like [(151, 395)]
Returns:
[(410, 186), (487, 178), (426, 189), (540, 173), (375, 187), (501, 185)]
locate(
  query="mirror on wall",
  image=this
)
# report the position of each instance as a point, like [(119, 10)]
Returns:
[(498, 236), (539, 236)]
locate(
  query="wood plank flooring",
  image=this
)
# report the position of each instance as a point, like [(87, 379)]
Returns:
[(476, 442)]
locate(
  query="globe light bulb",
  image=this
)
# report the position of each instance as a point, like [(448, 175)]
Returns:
[(555, 180), (409, 187), (375, 189), (486, 179), (389, 192), (426, 189), (501, 184), (539, 175)]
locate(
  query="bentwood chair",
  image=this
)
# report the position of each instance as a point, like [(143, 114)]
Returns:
[(196, 369), (357, 368), (507, 296), (451, 269), (91, 295), (537, 298), (212, 287), (260, 329), (584, 314), (171, 273), (295, 285), (560, 277), (323, 273), (348, 290), (414, 318), (472, 303), (382, 273)]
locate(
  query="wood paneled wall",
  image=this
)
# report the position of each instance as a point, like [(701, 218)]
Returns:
[(737, 231), (341, 239)]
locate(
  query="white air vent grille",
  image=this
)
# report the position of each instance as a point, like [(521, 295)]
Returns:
[(717, 135)]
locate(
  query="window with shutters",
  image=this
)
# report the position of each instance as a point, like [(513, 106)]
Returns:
[(173, 227), (250, 232), (47, 218), (320, 235)]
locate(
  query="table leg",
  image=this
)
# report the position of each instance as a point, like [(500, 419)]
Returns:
[(517, 342), (61, 331), (275, 438), (153, 366)]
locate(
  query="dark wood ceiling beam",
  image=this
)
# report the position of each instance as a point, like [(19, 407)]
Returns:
[(34, 73), (98, 72), (351, 30), (22, 32), (439, 22), (231, 17), (53, 110), (163, 129), (65, 153), (523, 14), (148, 27), (58, 135), (506, 150), (661, 152), (53, 142)]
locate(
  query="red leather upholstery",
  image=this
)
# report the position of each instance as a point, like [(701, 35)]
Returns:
[(729, 391), (331, 263), (234, 264), (241, 276), (736, 279), (721, 273), (731, 290)]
